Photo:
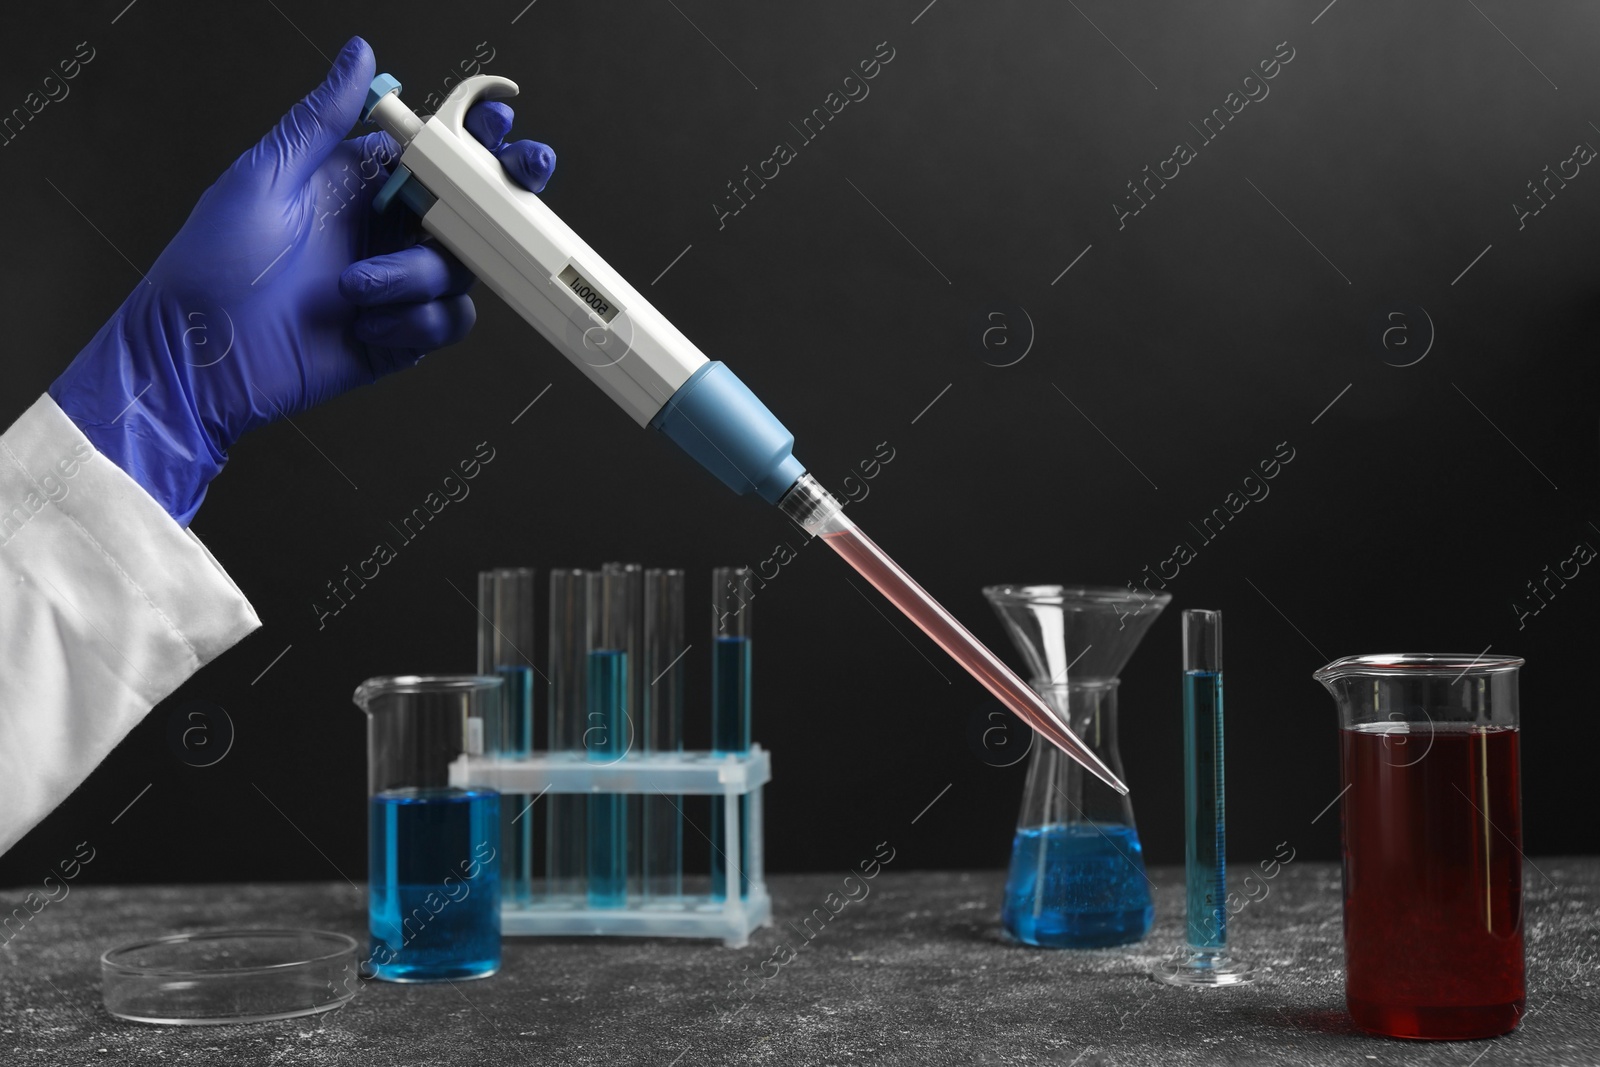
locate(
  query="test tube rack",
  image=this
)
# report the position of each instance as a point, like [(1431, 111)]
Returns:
[(731, 918)]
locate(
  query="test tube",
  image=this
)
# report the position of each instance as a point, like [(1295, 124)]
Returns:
[(1206, 961), (631, 575), (505, 647), (612, 597), (663, 674), (731, 598), (566, 838)]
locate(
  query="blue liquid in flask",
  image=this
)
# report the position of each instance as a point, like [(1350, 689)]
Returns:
[(433, 906), (606, 739), (1077, 885), (730, 732)]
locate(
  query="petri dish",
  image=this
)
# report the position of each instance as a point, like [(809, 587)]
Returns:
[(229, 976)]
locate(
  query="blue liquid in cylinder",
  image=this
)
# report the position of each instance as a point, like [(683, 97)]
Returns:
[(606, 738), (1077, 885), (433, 875), (1205, 859), (730, 732)]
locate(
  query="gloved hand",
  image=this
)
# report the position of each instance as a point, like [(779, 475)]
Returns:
[(283, 289)]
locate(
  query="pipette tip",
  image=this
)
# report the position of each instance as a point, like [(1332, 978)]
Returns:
[(815, 509), (1095, 767)]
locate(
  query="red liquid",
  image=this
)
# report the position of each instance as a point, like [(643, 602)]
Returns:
[(875, 566), (1433, 880)]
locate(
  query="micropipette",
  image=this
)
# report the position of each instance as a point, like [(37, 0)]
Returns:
[(522, 251)]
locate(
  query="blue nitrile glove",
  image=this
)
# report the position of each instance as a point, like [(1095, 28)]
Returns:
[(283, 289)]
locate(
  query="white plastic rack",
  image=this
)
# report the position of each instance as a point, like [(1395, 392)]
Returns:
[(731, 918)]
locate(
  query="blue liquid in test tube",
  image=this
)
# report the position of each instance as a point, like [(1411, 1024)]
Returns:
[(518, 698), (505, 648), (606, 740)]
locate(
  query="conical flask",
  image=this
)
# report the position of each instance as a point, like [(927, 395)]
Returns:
[(1077, 877)]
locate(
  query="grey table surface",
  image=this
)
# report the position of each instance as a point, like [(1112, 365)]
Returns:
[(916, 972)]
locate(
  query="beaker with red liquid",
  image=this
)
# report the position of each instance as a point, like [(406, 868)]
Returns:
[(1432, 835)]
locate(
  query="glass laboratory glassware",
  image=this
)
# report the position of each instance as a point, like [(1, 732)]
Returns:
[(731, 660), (230, 976), (1077, 876), (1206, 962), (631, 640), (663, 672), (505, 647), (433, 850), (567, 814), (613, 596), (1432, 834)]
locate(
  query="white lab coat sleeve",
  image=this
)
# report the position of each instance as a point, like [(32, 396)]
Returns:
[(106, 606)]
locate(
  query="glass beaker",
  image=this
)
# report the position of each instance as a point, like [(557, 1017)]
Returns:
[(1432, 834), (433, 855), (1077, 877)]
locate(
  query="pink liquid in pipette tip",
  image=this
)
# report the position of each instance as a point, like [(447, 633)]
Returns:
[(914, 602)]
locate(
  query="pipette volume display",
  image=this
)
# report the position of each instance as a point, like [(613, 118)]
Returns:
[(583, 306)]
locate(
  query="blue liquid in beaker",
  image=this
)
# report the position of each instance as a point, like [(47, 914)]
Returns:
[(433, 876), (730, 732), (1078, 885), (606, 739)]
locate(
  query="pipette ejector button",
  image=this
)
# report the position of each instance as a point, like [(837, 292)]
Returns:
[(410, 192)]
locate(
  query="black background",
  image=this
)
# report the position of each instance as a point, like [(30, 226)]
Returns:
[(849, 294)]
